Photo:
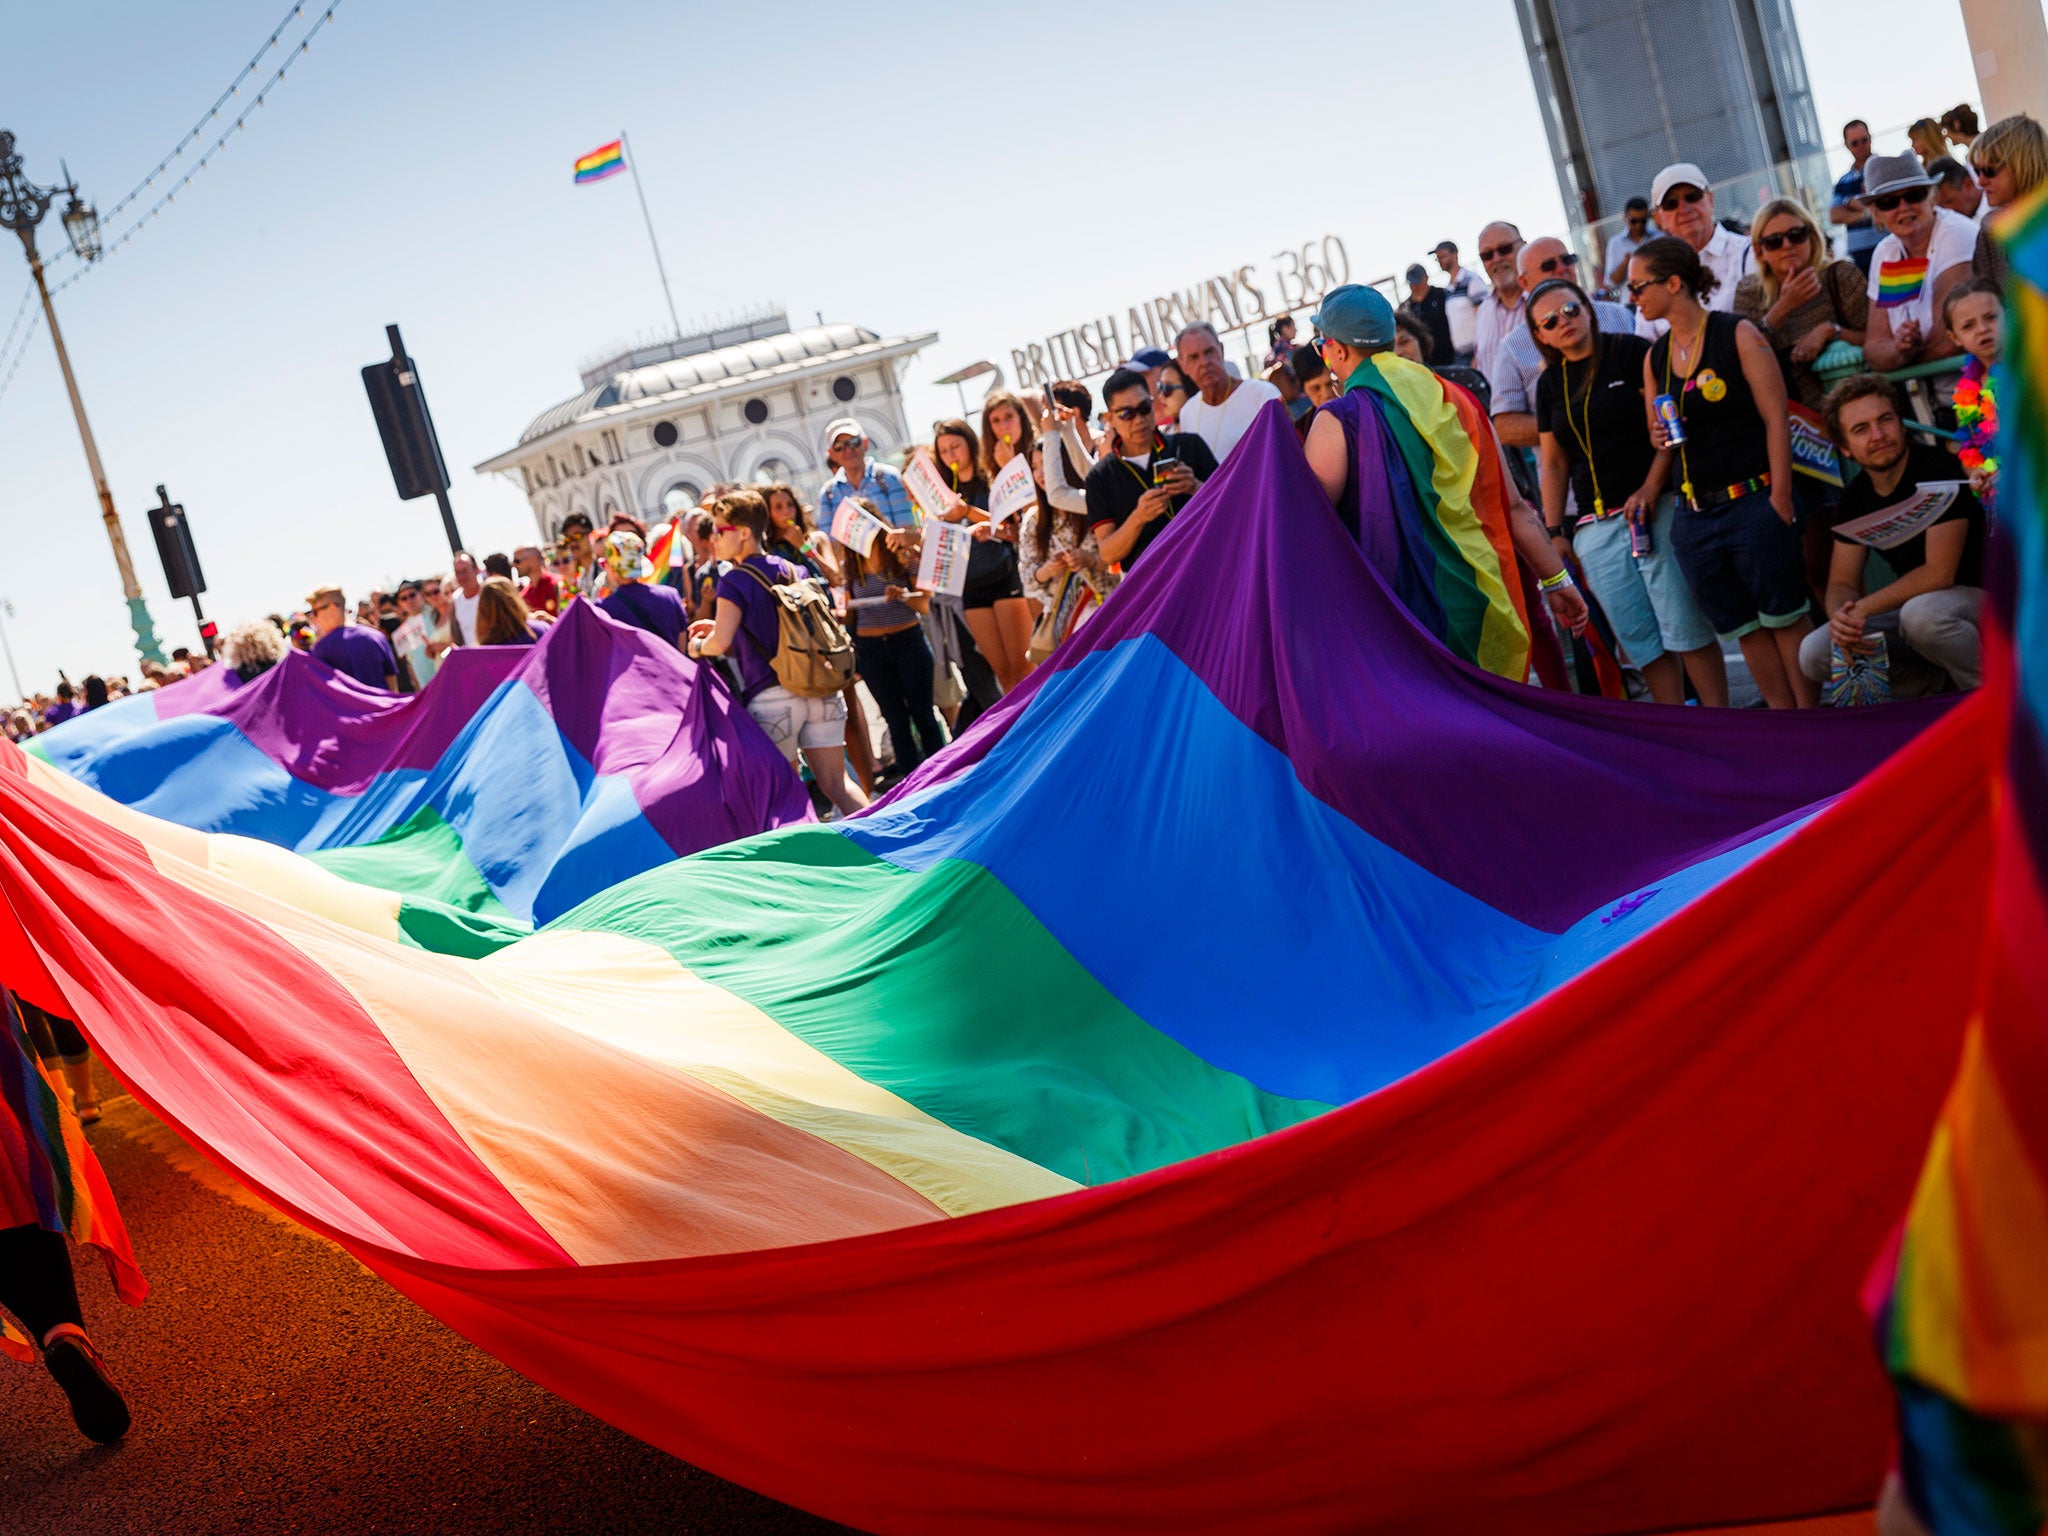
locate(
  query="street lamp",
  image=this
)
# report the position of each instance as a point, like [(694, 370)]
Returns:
[(22, 206)]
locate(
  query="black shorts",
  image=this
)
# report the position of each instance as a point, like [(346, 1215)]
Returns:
[(1002, 580), (1743, 564)]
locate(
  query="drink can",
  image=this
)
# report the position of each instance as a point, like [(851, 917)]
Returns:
[(1667, 412), (1639, 539)]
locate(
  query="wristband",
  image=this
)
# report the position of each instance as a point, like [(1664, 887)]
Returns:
[(1548, 584), (1559, 532)]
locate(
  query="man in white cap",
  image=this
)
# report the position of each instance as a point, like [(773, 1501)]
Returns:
[(1684, 205), (846, 449)]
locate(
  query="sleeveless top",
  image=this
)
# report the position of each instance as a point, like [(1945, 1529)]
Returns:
[(1724, 436)]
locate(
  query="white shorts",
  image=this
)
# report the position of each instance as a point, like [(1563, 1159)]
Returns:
[(792, 722)]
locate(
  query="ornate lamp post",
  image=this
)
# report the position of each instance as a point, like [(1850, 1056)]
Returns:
[(22, 206)]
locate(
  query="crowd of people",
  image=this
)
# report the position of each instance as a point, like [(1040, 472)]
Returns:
[(1644, 409)]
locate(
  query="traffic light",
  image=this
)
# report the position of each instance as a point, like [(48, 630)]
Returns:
[(175, 549), (403, 422), (209, 632)]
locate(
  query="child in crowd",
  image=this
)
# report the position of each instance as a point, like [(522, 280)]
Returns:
[(1974, 313)]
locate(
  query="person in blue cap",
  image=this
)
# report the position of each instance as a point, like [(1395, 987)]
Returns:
[(1448, 535)]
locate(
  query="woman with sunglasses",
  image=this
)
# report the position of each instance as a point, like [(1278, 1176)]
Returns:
[(1173, 392), (1926, 251), (2011, 160), (1593, 441), (1733, 534), (1802, 299)]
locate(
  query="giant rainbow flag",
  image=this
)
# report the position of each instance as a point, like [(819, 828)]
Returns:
[(520, 782), (1962, 1296), (1271, 1075)]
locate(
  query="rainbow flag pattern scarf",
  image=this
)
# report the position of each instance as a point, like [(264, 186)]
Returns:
[(605, 160), (1441, 538), (1900, 282), (1210, 1096), (1961, 1299)]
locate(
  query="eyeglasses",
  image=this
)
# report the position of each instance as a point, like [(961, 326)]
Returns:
[(1131, 412), (1675, 197), (1570, 309), (1166, 387), (1500, 252), (1985, 172), (1797, 236), (725, 527), (1636, 290), (1568, 260), (845, 444), (1889, 202)]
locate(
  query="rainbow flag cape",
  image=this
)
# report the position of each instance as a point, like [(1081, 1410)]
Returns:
[(661, 546), (605, 160), (1441, 539), (520, 782), (1961, 1299), (1900, 282), (1370, 1139)]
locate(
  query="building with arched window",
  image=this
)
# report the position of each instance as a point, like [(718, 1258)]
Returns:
[(655, 427)]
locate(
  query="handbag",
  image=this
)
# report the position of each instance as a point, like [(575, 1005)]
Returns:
[(1074, 601)]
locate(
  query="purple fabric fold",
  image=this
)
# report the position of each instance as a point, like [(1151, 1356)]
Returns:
[(1561, 803)]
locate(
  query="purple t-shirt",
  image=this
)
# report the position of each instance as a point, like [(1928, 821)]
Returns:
[(59, 712), (357, 652), (658, 610), (760, 633)]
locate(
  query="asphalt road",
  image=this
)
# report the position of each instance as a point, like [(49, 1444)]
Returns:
[(278, 1386)]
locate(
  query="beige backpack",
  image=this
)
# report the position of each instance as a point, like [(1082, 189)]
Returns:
[(814, 655)]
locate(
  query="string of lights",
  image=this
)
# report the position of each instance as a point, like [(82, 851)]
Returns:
[(165, 167)]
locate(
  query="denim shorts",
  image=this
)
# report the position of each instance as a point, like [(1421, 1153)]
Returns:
[(1744, 564), (1647, 600), (792, 722)]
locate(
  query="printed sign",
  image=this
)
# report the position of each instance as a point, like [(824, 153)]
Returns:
[(1891, 526), (1013, 490), (943, 565), (926, 483), (856, 527), (1813, 455)]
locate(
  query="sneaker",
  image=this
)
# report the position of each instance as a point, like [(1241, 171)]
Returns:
[(96, 1403)]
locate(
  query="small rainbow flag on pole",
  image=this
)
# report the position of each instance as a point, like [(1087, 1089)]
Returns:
[(1898, 282), (610, 159)]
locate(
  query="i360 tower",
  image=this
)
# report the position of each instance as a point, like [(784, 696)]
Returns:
[(1628, 87)]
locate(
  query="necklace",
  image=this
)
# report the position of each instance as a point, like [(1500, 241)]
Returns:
[(1678, 403), (1585, 438)]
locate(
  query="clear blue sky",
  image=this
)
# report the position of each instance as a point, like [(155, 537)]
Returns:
[(990, 173)]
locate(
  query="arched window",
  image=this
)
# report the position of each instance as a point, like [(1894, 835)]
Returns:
[(680, 497), (771, 471)]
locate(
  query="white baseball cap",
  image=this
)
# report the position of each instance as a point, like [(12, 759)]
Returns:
[(1683, 174), (845, 426)]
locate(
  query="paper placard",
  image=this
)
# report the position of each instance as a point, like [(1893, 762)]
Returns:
[(856, 527), (926, 483), (1891, 526), (943, 565), (1013, 490)]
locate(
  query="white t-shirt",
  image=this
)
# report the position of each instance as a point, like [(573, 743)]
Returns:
[(1220, 426), (1727, 255), (465, 614), (1954, 243), (1462, 298)]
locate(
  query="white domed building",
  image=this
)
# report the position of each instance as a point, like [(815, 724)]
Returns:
[(656, 427)]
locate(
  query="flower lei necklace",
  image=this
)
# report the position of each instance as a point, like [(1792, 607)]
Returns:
[(1976, 404)]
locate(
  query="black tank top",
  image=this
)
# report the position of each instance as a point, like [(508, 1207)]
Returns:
[(1724, 436)]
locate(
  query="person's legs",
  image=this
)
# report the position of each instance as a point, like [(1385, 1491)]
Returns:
[(916, 675), (1817, 654), (76, 1055), (36, 1284), (1767, 667), (881, 669), (1943, 627), (1013, 634), (1769, 562), (988, 641), (821, 733), (1788, 638), (1665, 678), (859, 750)]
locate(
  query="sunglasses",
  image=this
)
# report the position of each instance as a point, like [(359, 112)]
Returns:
[(1797, 236), (1985, 172), (1672, 200), (1636, 290), (844, 444), (1131, 412), (1500, 252), (725, 528), (1568, 260), (1570, 309), (1890, 201), (1173, 389)]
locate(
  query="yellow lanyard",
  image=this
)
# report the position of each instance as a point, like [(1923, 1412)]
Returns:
[(1585, 439), (1151, 477), (1678, 404)]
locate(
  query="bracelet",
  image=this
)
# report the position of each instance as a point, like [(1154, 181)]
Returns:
[(1548, 584), (1558, 532)]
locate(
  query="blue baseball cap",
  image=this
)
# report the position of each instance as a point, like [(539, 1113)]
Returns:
[(1356, 315), (1148, 357)]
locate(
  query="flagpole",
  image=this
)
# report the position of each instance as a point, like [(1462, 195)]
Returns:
[(633, 165)]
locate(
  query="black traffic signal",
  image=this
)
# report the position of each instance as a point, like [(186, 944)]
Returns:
[(399, 403), (174, 547)]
